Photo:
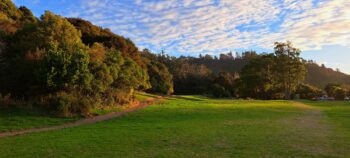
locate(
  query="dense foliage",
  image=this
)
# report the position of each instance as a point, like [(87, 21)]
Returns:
[(256, 78), (336, 91), (46, 60), (92, 34), (306, 91), (160, 78)]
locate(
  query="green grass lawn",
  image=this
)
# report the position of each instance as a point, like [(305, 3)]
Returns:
[(192, 126), (12, 119), (141, 96)]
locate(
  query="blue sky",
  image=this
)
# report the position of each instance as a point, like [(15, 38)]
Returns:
[(189, 27)]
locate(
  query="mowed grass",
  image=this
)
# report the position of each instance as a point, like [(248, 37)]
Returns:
[(193, 126), (141, 96), (12, 119), (17, 118)]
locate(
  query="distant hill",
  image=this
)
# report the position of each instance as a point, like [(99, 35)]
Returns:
[(317, 75)]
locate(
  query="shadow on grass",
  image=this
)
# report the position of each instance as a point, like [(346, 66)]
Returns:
[(197, 98), (18, 118), (147, 95), (16, 111)]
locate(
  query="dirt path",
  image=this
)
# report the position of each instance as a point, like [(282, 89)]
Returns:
[(140, 105), (311, 132)]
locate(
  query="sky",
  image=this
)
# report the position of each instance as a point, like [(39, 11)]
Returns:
[(320, 28)]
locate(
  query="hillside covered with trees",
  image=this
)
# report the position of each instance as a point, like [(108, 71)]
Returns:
[(69, 66), (317, 75)]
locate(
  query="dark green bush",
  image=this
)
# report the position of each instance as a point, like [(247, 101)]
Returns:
[(340, 94), (5, 100), (219, 91), (66, 104), (308, 92), (337, 91)]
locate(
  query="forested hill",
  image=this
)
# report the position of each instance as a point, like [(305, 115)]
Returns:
[(318, 76)]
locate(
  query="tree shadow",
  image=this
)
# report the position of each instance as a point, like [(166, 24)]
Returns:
[(187, 98), (17, 111)]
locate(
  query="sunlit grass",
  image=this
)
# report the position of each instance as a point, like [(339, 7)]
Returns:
[(140, 96), (193, 126)]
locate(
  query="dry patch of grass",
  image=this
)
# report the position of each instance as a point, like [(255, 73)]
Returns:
[(309, 131)]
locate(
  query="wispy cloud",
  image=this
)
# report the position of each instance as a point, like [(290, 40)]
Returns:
[(211, 26)]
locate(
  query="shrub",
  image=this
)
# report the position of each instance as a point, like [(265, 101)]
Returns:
[(123, 96), (67, 104), (335, 90), (308, 92), (219, 91), (160, 78), (62, 70), (5, 100), (340, 94)]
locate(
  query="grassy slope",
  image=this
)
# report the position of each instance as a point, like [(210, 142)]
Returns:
[(197, 127)]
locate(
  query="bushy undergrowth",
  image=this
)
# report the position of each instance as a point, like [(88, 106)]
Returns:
[(66, 104), (4, 100)]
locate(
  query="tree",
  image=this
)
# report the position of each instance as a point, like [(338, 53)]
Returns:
[(160, 79), (8, 8), (340, 93), (26, 15), (132, 76), (335, 90), (257, 78), (289, 69), (92, 34), (307, 91), (48, 56), (56, 30), (105, 66), (61, 70), (223, 85), (330, 89), (190, 78), (219, 91)]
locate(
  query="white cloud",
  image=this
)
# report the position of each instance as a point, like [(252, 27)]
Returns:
[(195, 26)]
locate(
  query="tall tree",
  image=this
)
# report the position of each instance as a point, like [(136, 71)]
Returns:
[(257, 78), (160, 78), (289, 69), (57, 30)]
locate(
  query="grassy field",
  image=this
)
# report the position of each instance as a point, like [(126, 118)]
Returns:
[(12, 119), (192, 126)]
